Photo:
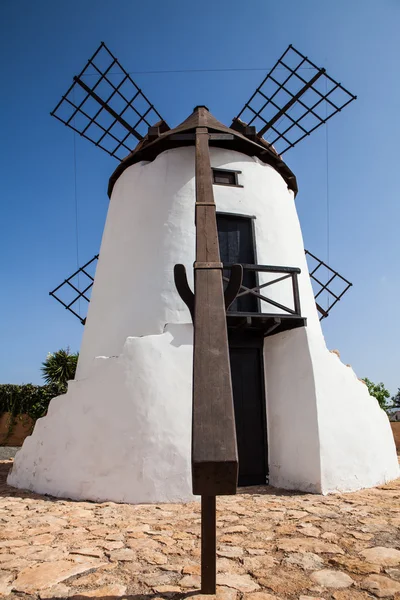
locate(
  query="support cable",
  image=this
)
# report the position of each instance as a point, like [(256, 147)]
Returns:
[(327, 188), (192, 71), (76, 209)]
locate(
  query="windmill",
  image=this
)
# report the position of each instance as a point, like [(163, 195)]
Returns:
[(261, 370), (114, 114)]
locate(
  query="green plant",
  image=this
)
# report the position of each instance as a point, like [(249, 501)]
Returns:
[(28, 399), (379, 392), (59, 368), (34, 400), (396, 400)]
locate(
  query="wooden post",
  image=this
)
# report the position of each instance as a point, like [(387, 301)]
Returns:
[(208, 545), (214, 451)]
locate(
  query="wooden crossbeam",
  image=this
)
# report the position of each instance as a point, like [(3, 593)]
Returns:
[(292, 101), (108, 108)]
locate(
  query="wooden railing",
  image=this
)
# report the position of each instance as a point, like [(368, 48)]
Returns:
[(263, 302)]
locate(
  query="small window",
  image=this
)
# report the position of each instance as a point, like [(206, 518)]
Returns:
[(225, 177)]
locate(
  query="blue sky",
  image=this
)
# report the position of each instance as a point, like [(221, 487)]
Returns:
[(44, 43)]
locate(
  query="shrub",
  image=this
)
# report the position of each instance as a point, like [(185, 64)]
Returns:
[(29, 399), (59, 368), (379, 391)]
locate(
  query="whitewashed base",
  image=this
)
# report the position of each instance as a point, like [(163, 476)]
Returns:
[(123, 433), (325, 432)]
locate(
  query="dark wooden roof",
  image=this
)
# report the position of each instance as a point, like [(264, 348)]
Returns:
[(149, 149)]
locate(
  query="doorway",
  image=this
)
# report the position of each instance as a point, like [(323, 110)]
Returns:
[(237, 245), (246, 355)]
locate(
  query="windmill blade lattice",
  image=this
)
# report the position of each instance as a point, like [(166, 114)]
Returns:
[(327, 284), (76, 287), (294, 99), (105, 106)]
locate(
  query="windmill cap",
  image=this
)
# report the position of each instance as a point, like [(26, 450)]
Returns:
[(232, 138), (201, 106)]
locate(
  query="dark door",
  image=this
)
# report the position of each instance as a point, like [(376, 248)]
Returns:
[(236, 245), (250, 417)]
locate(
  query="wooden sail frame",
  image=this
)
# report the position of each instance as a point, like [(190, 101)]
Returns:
[(106, 106)]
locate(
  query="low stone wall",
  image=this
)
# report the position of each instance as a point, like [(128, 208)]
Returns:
[(13, 431), (396, 434)]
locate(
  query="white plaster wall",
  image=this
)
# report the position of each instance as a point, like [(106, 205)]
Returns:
[(325, 432), (123, 430), (357, 448), (122, 434), (292, 413), (150, 228)]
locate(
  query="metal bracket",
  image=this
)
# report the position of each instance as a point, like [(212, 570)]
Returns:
[(234, 285), (186, 294), (208, 265), (183, 288)]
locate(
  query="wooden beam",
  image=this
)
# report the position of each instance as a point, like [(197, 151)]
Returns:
[(109, 109), (208, 545), (214, 451), (289, 104)]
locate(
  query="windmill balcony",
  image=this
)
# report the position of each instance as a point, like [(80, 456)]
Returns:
[(268, 300)]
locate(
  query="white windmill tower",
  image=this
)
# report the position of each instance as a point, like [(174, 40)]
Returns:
[(123, 430)]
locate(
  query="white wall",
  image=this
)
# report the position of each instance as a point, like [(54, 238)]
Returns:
[(292, 413), (150, 228), (123, 430), (122, 434), (326, 433), (356, 440)]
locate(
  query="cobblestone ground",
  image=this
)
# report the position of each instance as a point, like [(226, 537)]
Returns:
[(271, 544)]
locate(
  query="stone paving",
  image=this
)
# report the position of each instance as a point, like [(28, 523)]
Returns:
[(271, 545)]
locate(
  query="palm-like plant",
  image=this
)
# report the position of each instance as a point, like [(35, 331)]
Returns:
[(59, 368)]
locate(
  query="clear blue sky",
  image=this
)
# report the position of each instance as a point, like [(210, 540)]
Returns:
[(44, 43)]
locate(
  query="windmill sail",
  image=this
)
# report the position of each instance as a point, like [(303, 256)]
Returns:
[(294, 99), (75, 288), (327, 284), (105, 106)]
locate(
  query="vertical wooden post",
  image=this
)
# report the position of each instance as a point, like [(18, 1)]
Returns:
[(214, 451), (296, 294), (208, 545)]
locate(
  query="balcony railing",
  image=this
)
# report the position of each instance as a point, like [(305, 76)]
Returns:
[(261, 304)]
